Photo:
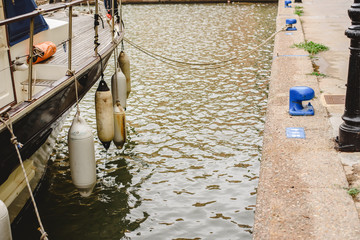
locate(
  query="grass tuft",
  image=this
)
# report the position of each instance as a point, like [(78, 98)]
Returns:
[(298, 11), (317, 74), (311, 47), (353, 192)]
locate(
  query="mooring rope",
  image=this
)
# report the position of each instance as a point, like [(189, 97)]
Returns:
[(178, 63), (17, 146)]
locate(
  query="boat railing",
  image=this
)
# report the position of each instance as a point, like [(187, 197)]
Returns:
[(40, 11)]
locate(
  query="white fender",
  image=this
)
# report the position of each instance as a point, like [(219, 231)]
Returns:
[(82, 156), (104, 114), (120, 125), (124, 63), (118, 88), (5, 230), (19, 66)]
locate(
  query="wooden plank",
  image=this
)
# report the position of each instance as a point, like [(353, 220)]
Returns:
[(83, 40)]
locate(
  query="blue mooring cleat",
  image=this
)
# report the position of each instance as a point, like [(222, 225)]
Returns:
[(297, 95), (289, 24), (287, 2)]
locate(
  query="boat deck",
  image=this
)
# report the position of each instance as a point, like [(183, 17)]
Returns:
[(48, 72), (82, 40)]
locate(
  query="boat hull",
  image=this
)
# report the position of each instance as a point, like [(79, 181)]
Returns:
[(34, 128)]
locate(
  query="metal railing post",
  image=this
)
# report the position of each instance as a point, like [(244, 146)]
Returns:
[(349, 131), (70, 38), (31, 55), (113, 20)]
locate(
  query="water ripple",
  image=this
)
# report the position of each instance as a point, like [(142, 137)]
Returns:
[(189, 169)]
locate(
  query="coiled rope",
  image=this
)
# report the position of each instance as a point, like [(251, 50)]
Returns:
[(199, 65), (17, 146)]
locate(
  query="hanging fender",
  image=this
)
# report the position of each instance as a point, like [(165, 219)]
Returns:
[(5, 229), (82, 156), (120, 125), (118, 88), (124, 64), (104, 114)]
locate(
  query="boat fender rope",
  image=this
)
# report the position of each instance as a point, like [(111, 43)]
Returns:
[(102, 70), (96, 21), (17, 146), (14, 141), (96, 37), (72, 73), (43, 236), (64, 46), (96, 42), (117, 18)]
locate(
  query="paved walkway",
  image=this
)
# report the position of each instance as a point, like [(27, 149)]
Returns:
[(302, 189)]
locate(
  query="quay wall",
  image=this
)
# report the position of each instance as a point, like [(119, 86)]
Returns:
[(302, 191)]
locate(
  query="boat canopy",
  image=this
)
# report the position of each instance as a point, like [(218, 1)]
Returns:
[(19, 31)]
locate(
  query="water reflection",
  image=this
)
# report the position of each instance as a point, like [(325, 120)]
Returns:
[(190, 167)]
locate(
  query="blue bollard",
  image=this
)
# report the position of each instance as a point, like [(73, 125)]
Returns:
[(289, 24), (287, 2), (297, 95)]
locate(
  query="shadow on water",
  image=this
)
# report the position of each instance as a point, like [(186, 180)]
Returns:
[(65, 214)]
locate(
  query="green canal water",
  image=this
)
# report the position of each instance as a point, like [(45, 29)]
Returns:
[(190, 167)]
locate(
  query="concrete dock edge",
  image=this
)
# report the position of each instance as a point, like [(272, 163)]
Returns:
[(302, 192)]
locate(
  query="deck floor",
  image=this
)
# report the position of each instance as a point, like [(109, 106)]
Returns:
[(82, 41)]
